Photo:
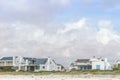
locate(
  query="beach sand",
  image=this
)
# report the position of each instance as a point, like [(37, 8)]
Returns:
[(59, 77)]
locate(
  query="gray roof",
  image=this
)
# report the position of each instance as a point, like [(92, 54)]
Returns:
[(41, 60), (82, 60), (6, 58), (28, 58), (37, 61)]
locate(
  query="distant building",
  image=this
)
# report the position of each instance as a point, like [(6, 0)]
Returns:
[(116, 66), (30, 64), (91, 64), (47, 64), (81, 64)]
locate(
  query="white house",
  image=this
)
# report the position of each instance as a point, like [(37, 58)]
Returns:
[(47, 64), (91, 64), (100, 64), (30, 64)]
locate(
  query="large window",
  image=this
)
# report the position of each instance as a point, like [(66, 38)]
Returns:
[(98, 67)]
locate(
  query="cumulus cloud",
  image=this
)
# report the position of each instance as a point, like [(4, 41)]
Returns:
[(106, 33), (105, 36), (80, 24), (27, 29), (77, 41), (105, 24)]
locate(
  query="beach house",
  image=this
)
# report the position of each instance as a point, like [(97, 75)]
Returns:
[(47, 64), (91, 64), (100, 64), (29, 64), (81, 64)]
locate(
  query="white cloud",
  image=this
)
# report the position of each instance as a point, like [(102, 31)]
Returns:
[(105, 24), (38, 34), (60, 2), (66, 53), (105, 36), (18, 5), (80, 24), (106, 33)]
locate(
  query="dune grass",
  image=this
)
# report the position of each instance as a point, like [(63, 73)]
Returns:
[(95, 72)]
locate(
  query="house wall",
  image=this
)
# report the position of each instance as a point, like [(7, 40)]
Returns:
[(103, 64), (73, 67), (59, 68), (6, 63), (41, 68), (22, 64), (98, 65), (52, 66), (108, 66), (81, 66)]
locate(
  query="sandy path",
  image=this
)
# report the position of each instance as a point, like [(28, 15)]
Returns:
[(57, 77)]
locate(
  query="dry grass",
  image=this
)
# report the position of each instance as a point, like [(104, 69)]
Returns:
[(95, 72)]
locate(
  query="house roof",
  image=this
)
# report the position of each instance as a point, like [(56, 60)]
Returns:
[(41, 60), (82, 60), (28, 58), (6, 58)]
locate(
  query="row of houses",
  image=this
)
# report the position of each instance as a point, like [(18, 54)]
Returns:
[(30, 64), (48, 64)]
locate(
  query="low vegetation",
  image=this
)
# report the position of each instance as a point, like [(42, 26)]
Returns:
[(6, 69), (74, 72)]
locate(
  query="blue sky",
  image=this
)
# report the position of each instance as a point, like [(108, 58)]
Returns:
[(63, 29), (94, 10)]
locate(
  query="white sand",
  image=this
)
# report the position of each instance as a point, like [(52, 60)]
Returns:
[(59, 77)]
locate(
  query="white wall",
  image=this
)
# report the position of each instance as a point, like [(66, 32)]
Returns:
[(19, 62), (52, 66), (104, 64), (101, 63)]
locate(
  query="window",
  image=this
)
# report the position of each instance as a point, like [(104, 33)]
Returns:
[(9, 62), (37, 67), (43, 67), (1, 62), (98, 67)]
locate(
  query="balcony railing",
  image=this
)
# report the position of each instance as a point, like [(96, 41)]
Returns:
[(6, 64)]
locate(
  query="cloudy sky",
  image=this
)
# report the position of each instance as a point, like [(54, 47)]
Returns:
[(62, 29)]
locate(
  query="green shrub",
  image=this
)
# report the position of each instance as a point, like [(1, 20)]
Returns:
[(6, 69)]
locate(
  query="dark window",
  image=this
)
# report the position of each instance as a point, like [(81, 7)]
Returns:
[(43, 67), (37, 67)]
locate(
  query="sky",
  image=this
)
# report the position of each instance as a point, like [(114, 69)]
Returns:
[(62, 29)]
